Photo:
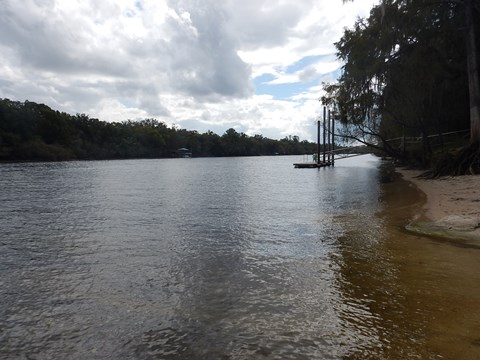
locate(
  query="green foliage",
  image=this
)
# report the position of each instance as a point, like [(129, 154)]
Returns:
[(30, 131), (405, 74)]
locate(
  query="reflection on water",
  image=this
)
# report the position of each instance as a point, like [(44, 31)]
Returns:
[(224, 258)]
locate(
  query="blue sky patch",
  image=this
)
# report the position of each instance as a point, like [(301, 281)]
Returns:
[(305, 62), (263, 85), (280, 91), (138, 5)]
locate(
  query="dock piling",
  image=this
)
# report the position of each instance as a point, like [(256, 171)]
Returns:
[(326, 147)]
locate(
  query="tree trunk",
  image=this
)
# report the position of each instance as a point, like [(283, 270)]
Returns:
[(472, 68)]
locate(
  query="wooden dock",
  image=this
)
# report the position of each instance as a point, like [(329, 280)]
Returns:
[(312, 165), (328, 145)]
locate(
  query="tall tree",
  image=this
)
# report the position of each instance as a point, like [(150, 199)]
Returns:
[(405, 73), (472, 60), (473, 78)]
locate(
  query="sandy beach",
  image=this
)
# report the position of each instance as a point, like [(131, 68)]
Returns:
[(452, 206)]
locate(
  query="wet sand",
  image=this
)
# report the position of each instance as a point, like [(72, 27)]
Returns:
[(451, 206), (438, 275)]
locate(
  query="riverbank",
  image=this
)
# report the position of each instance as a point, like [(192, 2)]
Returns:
[(451, 208)]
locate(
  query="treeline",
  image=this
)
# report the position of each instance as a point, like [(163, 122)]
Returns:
[(31, 131), (410, 73)]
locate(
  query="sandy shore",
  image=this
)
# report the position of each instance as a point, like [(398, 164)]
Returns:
[(452, 207)]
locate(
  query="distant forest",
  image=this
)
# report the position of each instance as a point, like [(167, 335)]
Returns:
[(31, 131)]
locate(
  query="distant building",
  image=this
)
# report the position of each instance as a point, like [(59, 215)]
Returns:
[(184, 153)]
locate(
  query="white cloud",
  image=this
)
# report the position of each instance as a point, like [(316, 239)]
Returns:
[(187, 62)]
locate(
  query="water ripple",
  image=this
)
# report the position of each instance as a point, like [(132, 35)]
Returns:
[(201, 258)]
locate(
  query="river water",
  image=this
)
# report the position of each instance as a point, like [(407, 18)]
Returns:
[(225, 258)]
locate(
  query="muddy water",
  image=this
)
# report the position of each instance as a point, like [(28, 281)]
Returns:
[(242, 258), (436, 282)]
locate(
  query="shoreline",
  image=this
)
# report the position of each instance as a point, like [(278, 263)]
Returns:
[(451, 209)]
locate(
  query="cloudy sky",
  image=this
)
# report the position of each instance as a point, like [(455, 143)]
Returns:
[(254, 65)]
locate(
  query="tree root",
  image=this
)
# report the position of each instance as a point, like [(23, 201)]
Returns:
[(465, 161)]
